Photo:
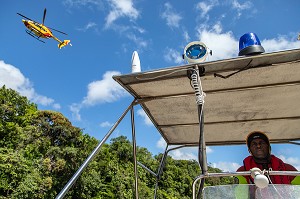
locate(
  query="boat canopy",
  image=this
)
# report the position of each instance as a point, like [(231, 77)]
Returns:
[(242, 94)]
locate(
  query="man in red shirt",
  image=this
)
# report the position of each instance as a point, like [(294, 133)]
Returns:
[(260, 149)]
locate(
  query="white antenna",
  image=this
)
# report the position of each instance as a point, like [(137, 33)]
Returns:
[(135, 63)]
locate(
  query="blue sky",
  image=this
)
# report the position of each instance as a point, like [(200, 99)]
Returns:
[(76, 80)]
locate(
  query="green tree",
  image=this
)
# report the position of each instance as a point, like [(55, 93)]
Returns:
[(15, 114), (41, 150)]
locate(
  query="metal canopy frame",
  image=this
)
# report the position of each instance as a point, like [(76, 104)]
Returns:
[(260, 92)]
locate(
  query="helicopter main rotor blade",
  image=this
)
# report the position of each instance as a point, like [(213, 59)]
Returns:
[(57, 30), (44, 16), (25, 17)]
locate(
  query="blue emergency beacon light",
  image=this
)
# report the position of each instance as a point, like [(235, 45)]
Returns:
[(250, 45)]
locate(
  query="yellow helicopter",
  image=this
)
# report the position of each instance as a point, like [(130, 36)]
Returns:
[(39, 30)]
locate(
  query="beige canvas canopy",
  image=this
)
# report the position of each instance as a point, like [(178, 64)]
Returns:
[(261, 92)]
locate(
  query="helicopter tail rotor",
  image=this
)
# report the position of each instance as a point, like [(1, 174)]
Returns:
[(64, 43)]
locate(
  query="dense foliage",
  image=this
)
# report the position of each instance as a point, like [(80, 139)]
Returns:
[(41, 150)]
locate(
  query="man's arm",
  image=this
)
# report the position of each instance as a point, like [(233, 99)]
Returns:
[(241, 169), (295, 180), (289, 167)]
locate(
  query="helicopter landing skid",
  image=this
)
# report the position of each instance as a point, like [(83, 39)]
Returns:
[(33, 35)]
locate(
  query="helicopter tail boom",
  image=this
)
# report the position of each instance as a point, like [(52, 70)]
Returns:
[(64, 43)]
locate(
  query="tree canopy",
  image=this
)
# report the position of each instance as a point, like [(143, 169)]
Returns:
[(41, 150)]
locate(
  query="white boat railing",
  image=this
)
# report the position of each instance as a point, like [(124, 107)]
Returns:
[(243, 173)]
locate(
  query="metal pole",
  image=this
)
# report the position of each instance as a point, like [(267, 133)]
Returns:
[(147, 169), (203, 145), (162, 163), (134, 154), (91, 156), (160, 170), (196, 82), (202, 150)]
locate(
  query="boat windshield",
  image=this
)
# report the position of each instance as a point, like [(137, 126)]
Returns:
[(251, 192)]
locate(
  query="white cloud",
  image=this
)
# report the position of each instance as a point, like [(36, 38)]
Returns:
[(142, 113), (217, 28), (186, 36), (240, 7), (181, 154), (209, 150), (171, 16), (106, 124), (56, 106), (226, 166), (280, 43), (139, 29), (171, 55), (186, 153), (117, 9), (79, 3), (205, 7), (12, 77), (138, 40), (102, 91), (223, 45), (121, 8), (88, 26), (161, 144), (75, 109), (244, 6)]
